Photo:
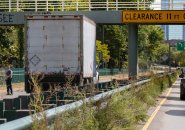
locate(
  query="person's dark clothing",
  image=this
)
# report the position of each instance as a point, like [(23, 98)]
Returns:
[(9, 82)]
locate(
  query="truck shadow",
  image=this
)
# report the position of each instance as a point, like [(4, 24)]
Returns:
[(175, 93), (172, 105), (176, 112), (170, 98), (176, 86)]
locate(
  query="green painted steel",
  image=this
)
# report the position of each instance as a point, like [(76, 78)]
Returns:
[(132, 50), (18, 75), (107, 71), (103, 17), (1, 108), (10, 115)]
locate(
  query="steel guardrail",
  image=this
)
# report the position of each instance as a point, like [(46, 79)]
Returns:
[(26, 122)]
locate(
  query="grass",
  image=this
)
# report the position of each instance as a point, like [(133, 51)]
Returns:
[(121, 111), (78, 119)]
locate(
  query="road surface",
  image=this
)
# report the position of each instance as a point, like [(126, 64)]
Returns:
[(171, 115)]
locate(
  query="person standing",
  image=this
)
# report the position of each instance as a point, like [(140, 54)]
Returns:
[(9, 74)]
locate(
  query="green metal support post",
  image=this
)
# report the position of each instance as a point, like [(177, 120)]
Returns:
[(132, 51)]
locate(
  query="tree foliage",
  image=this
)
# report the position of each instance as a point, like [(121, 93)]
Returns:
[(8, 44), (150, 41), (116, 38), (102, 54), (150, 44), (180, 58)]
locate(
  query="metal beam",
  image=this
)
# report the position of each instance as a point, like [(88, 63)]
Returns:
[(132, 51), (102, 17)]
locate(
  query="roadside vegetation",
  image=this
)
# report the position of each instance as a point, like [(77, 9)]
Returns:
[(123, 110)]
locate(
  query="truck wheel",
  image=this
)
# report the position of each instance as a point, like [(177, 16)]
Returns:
[(182, 96)]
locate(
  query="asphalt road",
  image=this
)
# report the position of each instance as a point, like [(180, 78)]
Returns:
[(171, 115)]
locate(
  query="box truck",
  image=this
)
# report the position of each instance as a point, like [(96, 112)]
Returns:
[(58, 46)]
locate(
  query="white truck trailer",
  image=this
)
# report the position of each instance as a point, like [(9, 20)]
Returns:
[(58, 46)]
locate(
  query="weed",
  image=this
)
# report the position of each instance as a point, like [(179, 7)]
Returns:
[(36, 104), (121, 111)]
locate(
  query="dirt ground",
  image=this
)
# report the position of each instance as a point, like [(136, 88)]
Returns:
[(118, 76), (123, 76), (19, 87)]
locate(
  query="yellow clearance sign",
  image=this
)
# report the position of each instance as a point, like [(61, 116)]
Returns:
[(153, 16)]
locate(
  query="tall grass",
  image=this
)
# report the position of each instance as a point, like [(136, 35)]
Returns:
[(78, 119), (36, 103), (121, 111)]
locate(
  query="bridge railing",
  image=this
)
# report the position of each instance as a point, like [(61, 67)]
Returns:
[(85, 5), (71, 5)]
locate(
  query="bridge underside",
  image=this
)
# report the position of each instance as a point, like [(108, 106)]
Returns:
[(100, 17)]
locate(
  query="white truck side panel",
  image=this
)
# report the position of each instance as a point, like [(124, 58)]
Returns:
[(53, 46), (89, 49)]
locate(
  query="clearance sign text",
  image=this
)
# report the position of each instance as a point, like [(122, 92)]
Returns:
[(153, 16)]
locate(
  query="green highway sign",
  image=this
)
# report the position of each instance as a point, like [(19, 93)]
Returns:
[(180, 45)]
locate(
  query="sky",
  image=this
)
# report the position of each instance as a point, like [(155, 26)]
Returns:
[(157, 5)]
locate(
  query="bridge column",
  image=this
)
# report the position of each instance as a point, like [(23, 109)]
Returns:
[(132, 51)]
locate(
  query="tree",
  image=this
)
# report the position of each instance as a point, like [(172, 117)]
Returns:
[(20, 51), (102, 53), (116, 38), (179, 57), (8, 44), (150, 39)]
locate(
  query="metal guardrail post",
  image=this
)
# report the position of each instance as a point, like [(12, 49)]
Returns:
[(137, 4)]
